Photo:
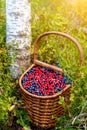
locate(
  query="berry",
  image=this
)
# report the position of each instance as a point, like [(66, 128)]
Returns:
[(44, 81)]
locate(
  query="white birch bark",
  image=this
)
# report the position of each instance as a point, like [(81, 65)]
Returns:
[(18, 28)]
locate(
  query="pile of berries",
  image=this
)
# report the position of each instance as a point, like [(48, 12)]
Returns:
[(43, 81)]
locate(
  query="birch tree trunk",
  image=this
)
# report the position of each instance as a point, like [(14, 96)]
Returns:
[(18, 16)]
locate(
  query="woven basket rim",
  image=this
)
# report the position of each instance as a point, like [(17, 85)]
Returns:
[(36, 96)]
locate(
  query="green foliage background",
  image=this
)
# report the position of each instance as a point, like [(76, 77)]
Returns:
[(56, 15)]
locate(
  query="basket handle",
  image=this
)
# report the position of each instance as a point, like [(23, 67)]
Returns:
[(37, 62)]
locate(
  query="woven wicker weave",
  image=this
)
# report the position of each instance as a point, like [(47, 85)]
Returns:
[(43, 109)]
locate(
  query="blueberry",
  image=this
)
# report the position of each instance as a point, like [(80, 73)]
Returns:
[(32, 70), (50, 82), (50, 93), (70, 82), (33, 88), (56, 84), (43, 69), (58, 73), (26, 74), (46, 88), (24, 79), (64, 79), (29, 89), (40, 93), (57, 64), (66, 82), (33, 84), (59, 89)]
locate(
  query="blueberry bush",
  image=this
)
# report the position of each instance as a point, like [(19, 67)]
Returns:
[(68, 17)]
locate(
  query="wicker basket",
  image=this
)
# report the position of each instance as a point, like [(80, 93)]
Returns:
[(42, 109)]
